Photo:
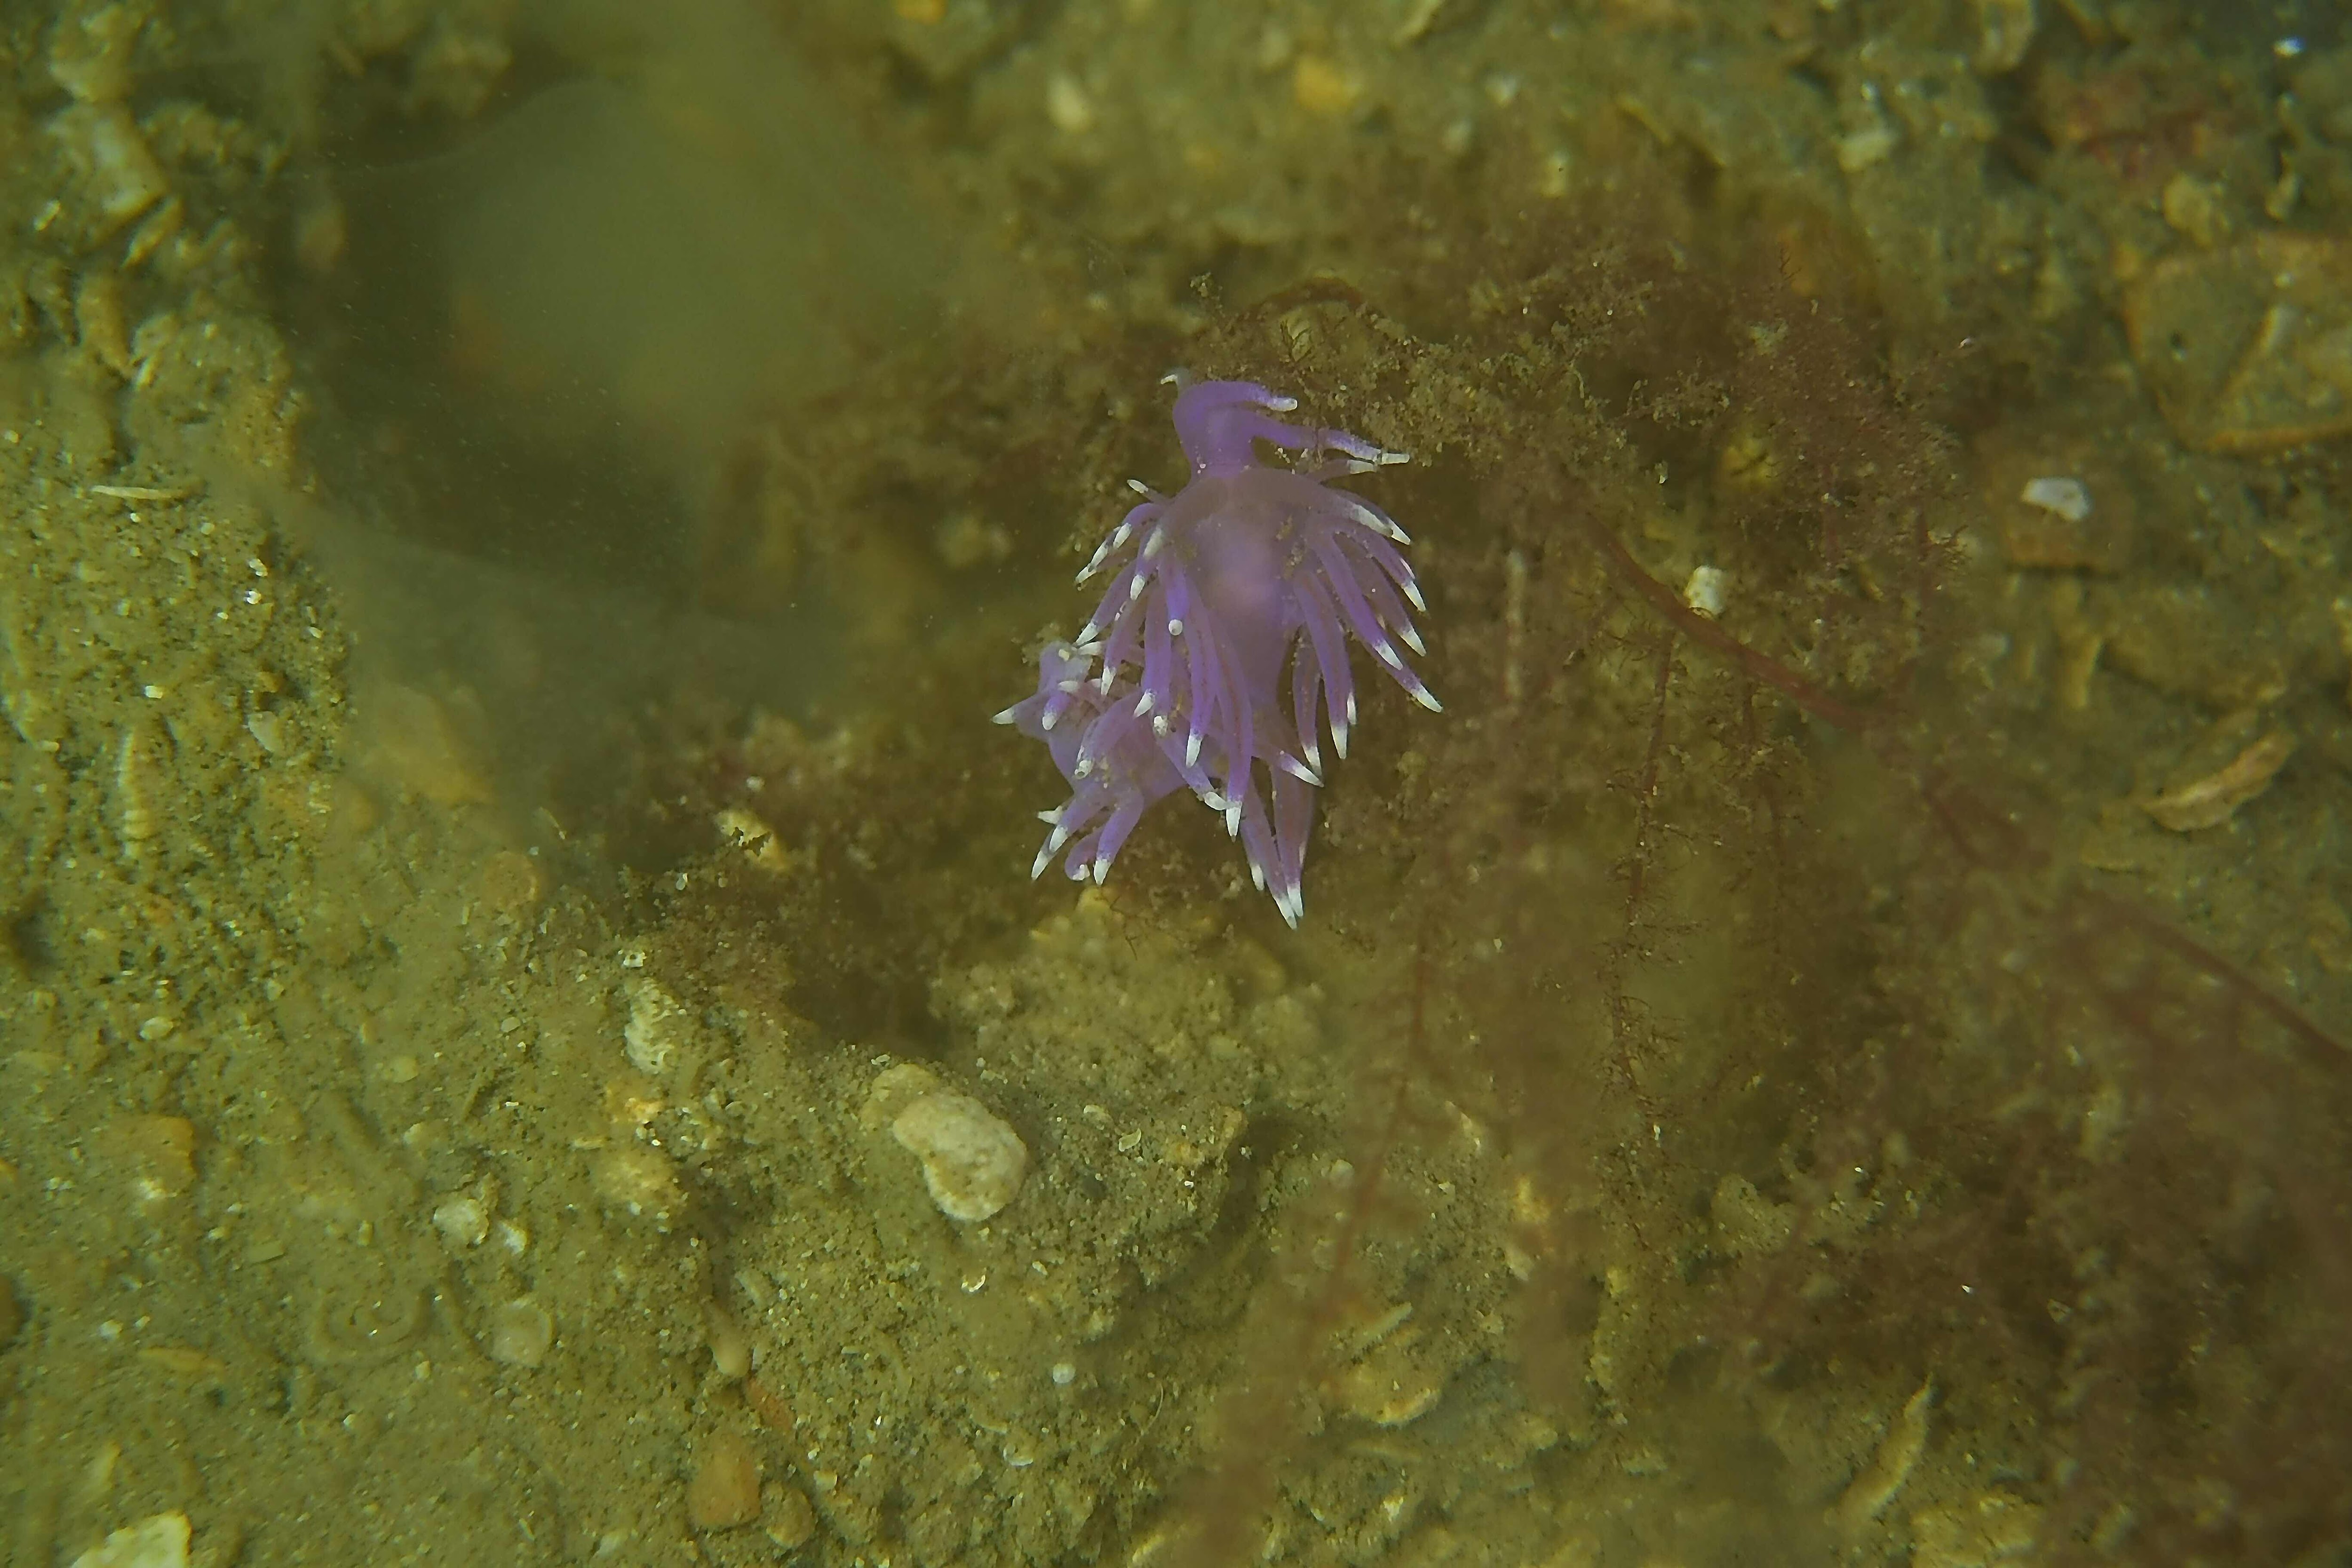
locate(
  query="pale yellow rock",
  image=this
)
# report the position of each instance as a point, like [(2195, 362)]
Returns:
[(973, 1163)]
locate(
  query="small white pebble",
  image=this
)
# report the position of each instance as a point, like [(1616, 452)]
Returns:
[(1063, 1375), (2067, 496), (1703, 590)]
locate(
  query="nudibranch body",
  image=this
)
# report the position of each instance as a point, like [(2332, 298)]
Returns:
[(1219, 653)]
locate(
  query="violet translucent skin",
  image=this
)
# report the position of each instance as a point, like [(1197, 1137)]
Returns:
[(1224, 628)]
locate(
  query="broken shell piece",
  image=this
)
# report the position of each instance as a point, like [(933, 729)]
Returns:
[(2211, 801), (973, 1163)]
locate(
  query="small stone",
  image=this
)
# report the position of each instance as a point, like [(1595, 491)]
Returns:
[(725, 1491), (774, 1412), (973, 1162), (158, 1542), (521, 1334), (462, 1221), (2062, 495), (791, 1521), (1703, 590), (2060, 508)]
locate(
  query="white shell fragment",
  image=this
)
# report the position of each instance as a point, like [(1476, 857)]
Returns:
[(2058, 494), (973, 1162)]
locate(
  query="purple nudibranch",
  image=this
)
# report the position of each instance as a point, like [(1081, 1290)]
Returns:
[(1238, 590)]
